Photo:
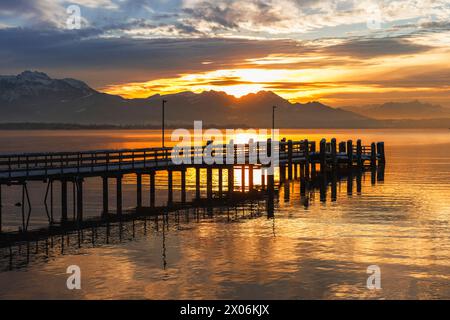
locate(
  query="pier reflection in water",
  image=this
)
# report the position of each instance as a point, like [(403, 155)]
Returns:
[(311, 249)]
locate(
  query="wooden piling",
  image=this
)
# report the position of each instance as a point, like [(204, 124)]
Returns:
[(333, 153), (152, 189), (209, 183), (169, 187), (282, 173), (79, 183), (263, 179), (139, 190), (306, 148), (230, 172), (105, 195), (119, 195), (323, 159), (342, 147), (250, 177), (382, 160), (183, 186), (220, 177), (243, 178), (290, 152), (359, 160), (197, 183), (350, 153), (64, 200), (373, 155)]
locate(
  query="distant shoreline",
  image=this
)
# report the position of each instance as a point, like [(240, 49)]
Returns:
[(387, 124)]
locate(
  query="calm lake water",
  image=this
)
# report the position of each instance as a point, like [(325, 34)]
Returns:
[(320, 251)]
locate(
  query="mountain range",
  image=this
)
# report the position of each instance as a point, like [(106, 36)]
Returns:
[(35, 97)]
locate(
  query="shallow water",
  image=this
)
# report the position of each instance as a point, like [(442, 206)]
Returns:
[(318, 251)]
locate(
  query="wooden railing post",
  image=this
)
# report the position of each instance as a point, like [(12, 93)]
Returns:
[(382, 160), (373, 155), (359, 160), (323, 155), (333, 152), (290, 152), (350, 152), (306, 147)]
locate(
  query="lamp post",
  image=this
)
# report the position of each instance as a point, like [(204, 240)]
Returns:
[(162, 126)]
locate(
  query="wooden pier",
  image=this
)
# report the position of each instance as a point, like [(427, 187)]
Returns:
[(297, 160)]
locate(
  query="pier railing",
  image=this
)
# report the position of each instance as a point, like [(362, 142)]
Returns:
[(28, 165)]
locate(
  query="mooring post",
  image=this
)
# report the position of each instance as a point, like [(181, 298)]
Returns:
[(183, 185), (64, 200), (79, 183), (373, 155), (230, 172), (197, 183), (333, 153), (382, 155), (250, 177), (282, 173), (209, 182), (350, 152), (139, 190), (243, 178), (105, 195), (306, 148), (263, 179), (342, 147), (119, 194), (359, 160), (290, 152), (220, 182), (169, 187), (152, 189), (323, 154)]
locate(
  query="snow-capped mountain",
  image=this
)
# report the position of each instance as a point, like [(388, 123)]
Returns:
[(33, 84)]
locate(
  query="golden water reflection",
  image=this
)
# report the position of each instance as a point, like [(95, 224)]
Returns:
[(318, 251)]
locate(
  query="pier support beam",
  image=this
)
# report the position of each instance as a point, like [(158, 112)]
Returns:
[(79, 183), (306, 150), (220, 183), (197, 183), (209, 189), (334, 153), (64, 200), (243, 178), (250, 178), (263, 179), (152, 189), (350, 152), (139, 190), (230, 172), (170, 187), (290, 160), (119, 194), (359, 160), (105, 196), (183, 186), (373, 155), (323, 159)]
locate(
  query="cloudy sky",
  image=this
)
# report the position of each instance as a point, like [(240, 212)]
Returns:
[(346, 52)]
